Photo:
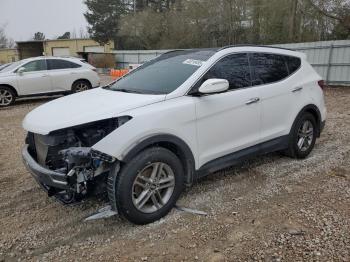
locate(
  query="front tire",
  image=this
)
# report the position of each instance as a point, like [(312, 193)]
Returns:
[(7, 96), (148, 186), (303, 136)]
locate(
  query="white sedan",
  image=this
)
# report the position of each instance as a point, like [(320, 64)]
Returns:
[(45, 76)]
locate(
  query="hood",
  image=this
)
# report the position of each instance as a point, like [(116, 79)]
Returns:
[(84, 107), (3, 74)]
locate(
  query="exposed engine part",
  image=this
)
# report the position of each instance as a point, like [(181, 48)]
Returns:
[(76, 156), (68, 151), (45, 148)]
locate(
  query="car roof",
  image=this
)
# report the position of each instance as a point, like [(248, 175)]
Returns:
[(251, 45), (239, 48), (72, 59), (52, 57)]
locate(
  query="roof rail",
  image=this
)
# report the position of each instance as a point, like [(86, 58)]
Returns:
[(173, 50), (250, 45), (191, 49)]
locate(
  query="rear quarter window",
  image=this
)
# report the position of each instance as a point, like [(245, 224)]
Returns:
[(55, 64), (293, 63)]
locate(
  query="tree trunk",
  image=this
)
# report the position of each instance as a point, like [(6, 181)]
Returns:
[(256, 22), (292, 21)]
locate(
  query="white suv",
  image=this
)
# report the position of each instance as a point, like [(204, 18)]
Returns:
[(45, 76), (171, 121)]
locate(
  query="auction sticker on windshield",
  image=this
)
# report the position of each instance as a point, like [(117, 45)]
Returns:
[(193, 62)]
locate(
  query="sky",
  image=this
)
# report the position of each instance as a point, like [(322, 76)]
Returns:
[(23, 18)]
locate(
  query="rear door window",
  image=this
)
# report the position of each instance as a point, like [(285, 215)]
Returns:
[(267, 68), (56, 64), (234, 68)]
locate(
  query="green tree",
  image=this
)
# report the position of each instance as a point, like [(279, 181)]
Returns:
[(337, 10), (155, 24), (5, 42), (66, 35), (104, 17), (39, 36)]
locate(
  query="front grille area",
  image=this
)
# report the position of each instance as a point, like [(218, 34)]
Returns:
[(31, 144), (45, 149), (41, 149)]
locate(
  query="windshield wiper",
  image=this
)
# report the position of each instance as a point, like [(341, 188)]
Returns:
[(127, 91), (144, 92)]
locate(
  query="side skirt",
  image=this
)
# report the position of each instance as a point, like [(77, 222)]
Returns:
[(45, 94), (276, 144)]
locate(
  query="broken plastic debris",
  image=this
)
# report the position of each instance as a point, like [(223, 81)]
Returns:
[(192, 211), (104, 212), (107, 212)]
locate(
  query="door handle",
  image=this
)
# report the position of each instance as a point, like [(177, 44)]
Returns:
[(44, 75), (297, 89), (252, 101)]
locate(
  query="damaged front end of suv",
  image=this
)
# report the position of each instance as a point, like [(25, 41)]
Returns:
[(64, 163)]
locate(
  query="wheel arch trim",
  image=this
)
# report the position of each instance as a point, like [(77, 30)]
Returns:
[(313, 109), (11, 87), (172, 143), (82, 79)]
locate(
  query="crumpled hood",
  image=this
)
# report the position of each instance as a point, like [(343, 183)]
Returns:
[(84, 107)]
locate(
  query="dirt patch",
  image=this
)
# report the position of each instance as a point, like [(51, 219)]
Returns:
[(271, 208)]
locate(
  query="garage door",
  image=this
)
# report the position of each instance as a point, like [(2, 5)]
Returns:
[(94, 49), (60, 51)]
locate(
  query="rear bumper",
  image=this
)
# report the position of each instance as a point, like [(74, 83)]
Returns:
[(43, 175)]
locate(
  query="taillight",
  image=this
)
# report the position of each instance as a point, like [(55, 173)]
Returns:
[(322, 84), (94, 69)]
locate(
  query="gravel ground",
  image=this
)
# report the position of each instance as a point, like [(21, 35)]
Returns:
[(271, 208)]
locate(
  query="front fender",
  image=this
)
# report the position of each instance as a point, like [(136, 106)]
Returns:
[(171, 118)]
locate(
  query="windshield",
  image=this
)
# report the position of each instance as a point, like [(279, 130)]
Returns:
[(164, 74), (11, 66)]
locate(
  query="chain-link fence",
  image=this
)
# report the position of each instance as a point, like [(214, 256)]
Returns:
[(331, 59)]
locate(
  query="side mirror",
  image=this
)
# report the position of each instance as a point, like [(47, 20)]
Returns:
[(21, 70), (214, 85)]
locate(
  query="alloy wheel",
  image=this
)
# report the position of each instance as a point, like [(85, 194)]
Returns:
[(305, 135), (6, 97), (153, 187), (81, 87)]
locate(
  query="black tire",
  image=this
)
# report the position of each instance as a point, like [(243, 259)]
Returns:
[(7, 93), (294, 150), (121, 185), (80, 86)]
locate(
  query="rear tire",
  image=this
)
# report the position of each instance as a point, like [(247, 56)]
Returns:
[(303, 136), (7, 96), (80, 86), (147, 187)]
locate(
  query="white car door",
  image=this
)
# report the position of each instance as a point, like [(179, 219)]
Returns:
[(229, 121), (63, 73), (278, 100), (34, 79)]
